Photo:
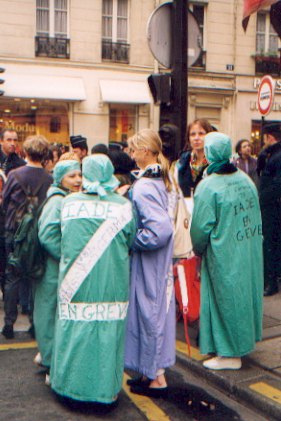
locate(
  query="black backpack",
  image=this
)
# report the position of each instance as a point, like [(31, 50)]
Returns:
[(28, 256)]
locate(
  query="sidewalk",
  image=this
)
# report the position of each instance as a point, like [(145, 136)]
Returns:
[(258, 383)]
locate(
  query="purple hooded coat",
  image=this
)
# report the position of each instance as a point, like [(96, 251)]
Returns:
[(150, 339)]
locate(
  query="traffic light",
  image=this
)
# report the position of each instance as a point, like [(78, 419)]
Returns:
[(170, 136), (2, 70), (160, 87)]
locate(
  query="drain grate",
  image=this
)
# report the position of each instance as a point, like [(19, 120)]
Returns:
[(270, 322)]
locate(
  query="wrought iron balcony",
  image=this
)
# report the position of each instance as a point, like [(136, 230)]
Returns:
[(52, 47), (267, 65), (115, 51)]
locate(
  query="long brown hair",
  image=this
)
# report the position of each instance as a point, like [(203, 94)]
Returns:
[(150, 139), (203, 123)]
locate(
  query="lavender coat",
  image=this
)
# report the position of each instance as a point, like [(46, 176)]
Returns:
[(150, 340)]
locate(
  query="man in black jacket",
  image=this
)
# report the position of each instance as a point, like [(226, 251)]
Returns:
[(269, 171), (9, 160)]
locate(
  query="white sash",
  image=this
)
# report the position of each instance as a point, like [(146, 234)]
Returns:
[(92, 252)]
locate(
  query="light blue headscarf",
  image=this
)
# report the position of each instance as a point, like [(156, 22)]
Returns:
[(217, 147), (62, 168), (97, 175)]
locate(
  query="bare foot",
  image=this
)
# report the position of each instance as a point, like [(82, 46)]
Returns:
[(159, 382)]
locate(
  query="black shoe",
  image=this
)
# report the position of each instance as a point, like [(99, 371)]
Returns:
[(8, 332), (151, 392), (138, 381), (270, 290)]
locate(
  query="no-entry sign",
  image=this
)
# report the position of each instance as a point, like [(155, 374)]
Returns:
[(266, 95)]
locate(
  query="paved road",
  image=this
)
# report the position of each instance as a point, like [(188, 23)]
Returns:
[(25, 397)]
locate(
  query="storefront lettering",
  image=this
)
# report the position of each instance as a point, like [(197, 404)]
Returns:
[(25, 127), (257, 82)]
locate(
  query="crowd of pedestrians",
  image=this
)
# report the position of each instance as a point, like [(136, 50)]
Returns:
[(106, 299)]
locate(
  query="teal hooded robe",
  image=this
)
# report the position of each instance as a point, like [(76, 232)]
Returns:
[(45, 291), (93, 293), (226, 230)]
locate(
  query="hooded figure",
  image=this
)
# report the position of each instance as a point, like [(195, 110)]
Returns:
[(45, 297), (97, 228), (226, 231)]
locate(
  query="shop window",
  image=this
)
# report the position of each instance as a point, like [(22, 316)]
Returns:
[(115, 45), (52, 29), (55, 125), (122, 122), (30, 117), (199, 11)]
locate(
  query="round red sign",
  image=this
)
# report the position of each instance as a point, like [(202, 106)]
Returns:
[(266, 95)]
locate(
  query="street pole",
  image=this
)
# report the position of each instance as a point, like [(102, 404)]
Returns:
[(179, 70)]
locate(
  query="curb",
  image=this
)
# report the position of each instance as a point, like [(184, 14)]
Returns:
[(237, 385)]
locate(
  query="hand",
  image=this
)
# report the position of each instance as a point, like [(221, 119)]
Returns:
[(123, 189)]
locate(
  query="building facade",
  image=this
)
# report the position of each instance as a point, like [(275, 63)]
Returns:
[(81, 67)]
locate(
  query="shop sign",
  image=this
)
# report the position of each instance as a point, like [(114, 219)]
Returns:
[(266, 95), (257, 82)]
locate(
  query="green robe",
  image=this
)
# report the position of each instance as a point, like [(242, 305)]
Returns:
[(226, 230), (45, 292), (88, 354)]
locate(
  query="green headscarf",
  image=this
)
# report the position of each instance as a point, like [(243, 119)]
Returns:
[(217, 147), (62, 168), (97, 175)]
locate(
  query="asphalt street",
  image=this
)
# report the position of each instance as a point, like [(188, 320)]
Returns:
[(25, 397)]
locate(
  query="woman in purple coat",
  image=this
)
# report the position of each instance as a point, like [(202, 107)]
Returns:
[(150, 341)]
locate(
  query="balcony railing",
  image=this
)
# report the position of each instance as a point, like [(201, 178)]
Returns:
[(52, 47), (267, 65), (115, 51)]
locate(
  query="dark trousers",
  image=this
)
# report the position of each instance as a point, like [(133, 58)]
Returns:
[(12, 282), (271, 225), (13, 285)]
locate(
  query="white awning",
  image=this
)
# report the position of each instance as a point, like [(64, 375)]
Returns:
[(125, 91), (44, 87)]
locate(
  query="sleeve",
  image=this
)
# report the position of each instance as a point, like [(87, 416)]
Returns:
[(154, 224), (203, 222), (49, 227), (7, 191)]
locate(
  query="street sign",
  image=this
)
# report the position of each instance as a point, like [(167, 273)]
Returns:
[(159, 35), (266, 95)]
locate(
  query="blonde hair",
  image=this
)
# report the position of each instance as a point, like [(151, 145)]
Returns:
[(36, 147), (69, 155), (150, 139)]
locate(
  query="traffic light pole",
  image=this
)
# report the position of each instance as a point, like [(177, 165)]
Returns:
[(179, 70)]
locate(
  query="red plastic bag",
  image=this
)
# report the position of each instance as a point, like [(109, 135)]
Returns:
[(187, 290)]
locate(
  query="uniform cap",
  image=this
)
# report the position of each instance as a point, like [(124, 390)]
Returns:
[(78, 141)]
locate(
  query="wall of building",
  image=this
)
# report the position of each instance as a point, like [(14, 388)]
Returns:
[(225, 95)]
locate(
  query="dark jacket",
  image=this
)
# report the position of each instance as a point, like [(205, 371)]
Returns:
[(10, 162), (14, 196), (184, 174), (269, 170), (251, 170)]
